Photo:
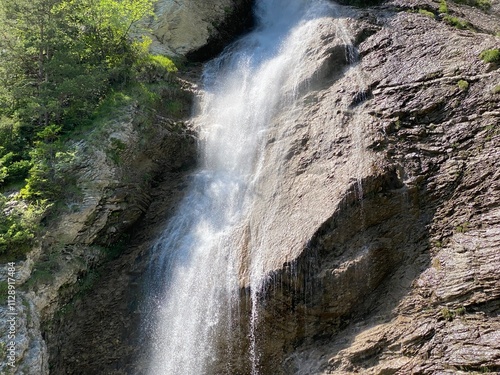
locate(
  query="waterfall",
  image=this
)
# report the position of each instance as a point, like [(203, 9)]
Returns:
[(203, 257)]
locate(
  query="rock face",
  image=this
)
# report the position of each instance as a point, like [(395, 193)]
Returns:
[(403, 280), (198, 29), (116, 166), (388, 208)]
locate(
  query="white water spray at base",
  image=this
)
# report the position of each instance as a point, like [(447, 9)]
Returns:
[(198, 264)]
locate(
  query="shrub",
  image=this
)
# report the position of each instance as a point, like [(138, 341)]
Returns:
[(490, 56), (18, 226), (443, 7), (154, 68)]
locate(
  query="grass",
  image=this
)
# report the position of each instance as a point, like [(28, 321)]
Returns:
[(457, 22), (462, 228), (443, 7), (490, 55), (426, 13), (44, 271)]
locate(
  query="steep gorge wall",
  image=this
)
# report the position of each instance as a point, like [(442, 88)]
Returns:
[(403, 280), (387, 211), (117, 166), (198, 30)]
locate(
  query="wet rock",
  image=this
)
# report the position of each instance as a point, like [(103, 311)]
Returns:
[(384, 226)]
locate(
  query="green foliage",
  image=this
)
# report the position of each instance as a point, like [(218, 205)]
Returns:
[(449, 315), (18, 226), (490, 56), (175, 108), (496, 89), (463, 85), (64, 65), (44, 270), (116, 149), (426, 13), (51, 173), (153, 68), (58, 60), (456, 22), (443, 7)]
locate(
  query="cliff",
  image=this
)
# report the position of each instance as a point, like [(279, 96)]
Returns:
[(386, 221), (403, 280)]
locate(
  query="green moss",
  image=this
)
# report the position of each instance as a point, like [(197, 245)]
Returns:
[(463, 85), (496, 89), (3, 352), (426, 13), (115, 150), (490, 56), (44, 271)]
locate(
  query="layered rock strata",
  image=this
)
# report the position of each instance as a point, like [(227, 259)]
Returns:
[(387, 208)]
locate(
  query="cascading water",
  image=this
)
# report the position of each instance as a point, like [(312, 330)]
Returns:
[(198, 264)]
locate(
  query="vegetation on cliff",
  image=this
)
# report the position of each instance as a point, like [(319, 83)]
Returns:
[(63, 64)]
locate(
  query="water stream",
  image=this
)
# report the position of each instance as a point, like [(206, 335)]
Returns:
[(197, 265)]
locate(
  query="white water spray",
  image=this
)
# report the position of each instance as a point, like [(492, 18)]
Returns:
[(197, 265)]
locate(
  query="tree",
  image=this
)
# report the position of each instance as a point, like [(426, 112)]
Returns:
[(58, 60)]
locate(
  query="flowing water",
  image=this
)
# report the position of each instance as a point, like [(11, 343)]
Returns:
[(197, 265)]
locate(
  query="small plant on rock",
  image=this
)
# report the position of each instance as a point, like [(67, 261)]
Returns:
[(456, 22), (443, 7), (426, 13), (463, 85), (490, 55)]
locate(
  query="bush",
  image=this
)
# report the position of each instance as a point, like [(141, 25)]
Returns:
[(18, 226), (4, 288), (490, 56), (443, 7), (154, 68)]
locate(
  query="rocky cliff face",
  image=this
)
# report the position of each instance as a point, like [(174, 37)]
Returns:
[(388, 212), (198, 30), (400, 278), (116, 166)]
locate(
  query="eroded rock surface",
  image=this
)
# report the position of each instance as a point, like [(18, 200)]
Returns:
[(386, 214), (198, 29), (402, 281)]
